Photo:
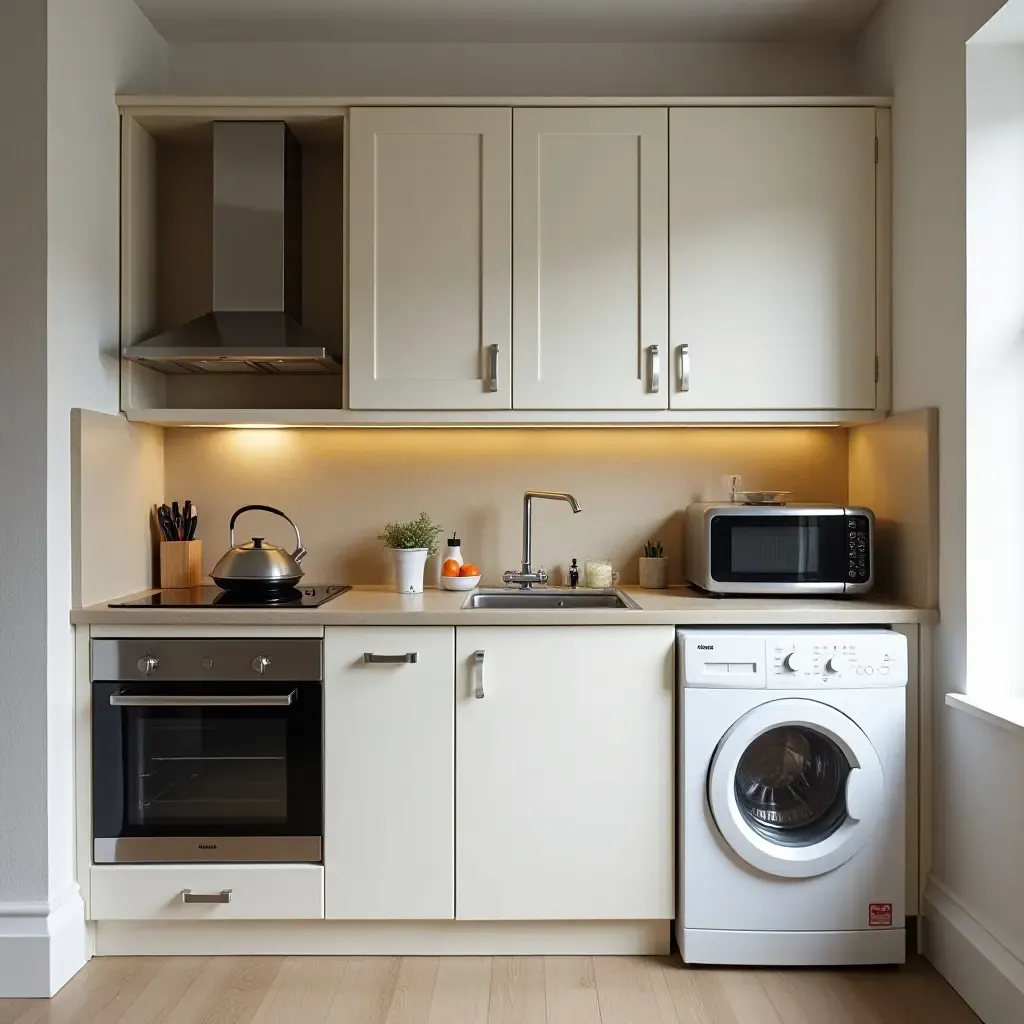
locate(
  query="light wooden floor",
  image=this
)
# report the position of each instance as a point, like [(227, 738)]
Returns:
[(483, 990)]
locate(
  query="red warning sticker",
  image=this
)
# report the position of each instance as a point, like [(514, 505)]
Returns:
[(880, 915)]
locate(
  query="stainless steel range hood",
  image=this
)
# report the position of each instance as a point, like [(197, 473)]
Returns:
[(257, 266)]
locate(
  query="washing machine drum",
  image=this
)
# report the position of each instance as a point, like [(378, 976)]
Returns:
[(795, 788), (790, 785)]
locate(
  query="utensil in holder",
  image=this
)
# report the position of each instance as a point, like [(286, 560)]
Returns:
[(181, 564)]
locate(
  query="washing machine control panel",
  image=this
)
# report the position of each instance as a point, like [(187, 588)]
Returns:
[(792, 659), (836, 660)]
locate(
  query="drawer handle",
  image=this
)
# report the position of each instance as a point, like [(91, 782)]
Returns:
[(478, 675), (391, 659), (188, 896)]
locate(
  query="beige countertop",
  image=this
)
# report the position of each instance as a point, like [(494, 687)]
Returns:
[(380, 606)]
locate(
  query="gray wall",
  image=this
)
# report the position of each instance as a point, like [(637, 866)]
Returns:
[(23, 850), (513, 69)]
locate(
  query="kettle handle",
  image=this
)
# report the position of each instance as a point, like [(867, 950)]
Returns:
[(298, 554)]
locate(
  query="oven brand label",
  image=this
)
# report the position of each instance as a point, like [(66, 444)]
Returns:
[(207, 846), (880, 915)]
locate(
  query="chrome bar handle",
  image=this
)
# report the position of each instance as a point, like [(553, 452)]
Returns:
[(391, 659), (478, 675), (188, 896), (195, 700), (684, 367), (492, 371), (654, 368)]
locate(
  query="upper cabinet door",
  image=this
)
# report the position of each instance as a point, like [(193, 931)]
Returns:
[(590, 293), (773, 258), (429, 258)]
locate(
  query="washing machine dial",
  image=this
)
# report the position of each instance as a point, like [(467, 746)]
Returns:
[(796, 662), (837, 665)]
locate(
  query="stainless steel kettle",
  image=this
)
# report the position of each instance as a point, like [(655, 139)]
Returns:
[(256, 565)]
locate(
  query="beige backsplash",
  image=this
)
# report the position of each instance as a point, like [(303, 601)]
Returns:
[(341, 486)]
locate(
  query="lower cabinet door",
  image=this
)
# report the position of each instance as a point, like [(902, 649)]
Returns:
[(564, 779), (389, 773)]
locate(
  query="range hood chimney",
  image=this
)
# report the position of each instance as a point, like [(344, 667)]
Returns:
[(257, 266)]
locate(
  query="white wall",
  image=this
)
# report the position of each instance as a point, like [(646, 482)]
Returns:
[(59, 267), (94, 50), (995, 361), (507, 69), (942, 357)]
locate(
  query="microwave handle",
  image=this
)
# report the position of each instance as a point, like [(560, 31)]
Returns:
[(152, 700)]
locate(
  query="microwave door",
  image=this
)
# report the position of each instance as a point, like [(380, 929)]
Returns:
[(778, 554)]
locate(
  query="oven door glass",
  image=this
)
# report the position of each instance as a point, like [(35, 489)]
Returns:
[(207, 760), (779, 549)]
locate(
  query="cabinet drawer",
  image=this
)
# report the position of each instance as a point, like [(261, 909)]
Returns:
[(147, 892)]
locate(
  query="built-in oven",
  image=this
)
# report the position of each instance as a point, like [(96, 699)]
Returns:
[(207, 750)]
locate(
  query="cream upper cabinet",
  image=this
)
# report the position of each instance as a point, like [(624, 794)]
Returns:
[(564, 774), (389, 773), (772, 254), (429, 258), (590, 301)]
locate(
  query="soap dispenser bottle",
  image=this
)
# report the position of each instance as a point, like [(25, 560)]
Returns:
[(574, 575), (453, 550)]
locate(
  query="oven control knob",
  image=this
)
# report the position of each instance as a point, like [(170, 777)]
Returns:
[(260, 664), (837, 664), (148, 665), (795, 662)]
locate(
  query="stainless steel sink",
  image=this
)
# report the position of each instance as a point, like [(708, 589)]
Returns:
[(547, 598)]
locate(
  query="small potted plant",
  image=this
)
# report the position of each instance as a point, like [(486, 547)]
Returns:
[(654, 567), (410, 545)]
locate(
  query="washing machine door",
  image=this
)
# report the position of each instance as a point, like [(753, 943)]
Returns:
[(795, 787)]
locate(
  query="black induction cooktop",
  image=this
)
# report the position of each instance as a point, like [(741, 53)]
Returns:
[(214, 597)]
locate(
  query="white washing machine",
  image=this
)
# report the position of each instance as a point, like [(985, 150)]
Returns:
[(792, 780)]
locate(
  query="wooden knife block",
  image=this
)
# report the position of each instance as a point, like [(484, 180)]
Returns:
[(181, 564)]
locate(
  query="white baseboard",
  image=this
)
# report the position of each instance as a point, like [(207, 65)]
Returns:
[(42, 945), (382, 938), (987, 975)]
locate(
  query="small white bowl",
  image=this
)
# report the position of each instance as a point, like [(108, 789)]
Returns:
[(460, 582)]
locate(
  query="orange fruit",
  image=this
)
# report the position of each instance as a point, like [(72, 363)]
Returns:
[(469, 569), (450, 568)]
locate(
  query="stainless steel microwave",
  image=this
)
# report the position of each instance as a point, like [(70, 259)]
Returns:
[(779, 549)]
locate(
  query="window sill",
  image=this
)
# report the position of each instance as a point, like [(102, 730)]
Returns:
[(1003, 712)]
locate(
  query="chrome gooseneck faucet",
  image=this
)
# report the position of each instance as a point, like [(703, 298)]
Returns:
[(527, 577)]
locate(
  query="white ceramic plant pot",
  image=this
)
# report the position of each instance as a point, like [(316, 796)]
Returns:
[(409, 566), (654, 573)]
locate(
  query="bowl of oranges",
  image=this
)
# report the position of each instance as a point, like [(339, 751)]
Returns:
[(459, 577)]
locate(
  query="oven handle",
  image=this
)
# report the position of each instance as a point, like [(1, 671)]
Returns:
[(152, 700)]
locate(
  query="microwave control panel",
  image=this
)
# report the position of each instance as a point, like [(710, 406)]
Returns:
[(858, 549)]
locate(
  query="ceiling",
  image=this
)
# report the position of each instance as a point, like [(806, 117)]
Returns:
[(506, 20)]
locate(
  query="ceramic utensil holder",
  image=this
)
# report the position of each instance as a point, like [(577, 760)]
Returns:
[(654, 573), (181, 564)]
